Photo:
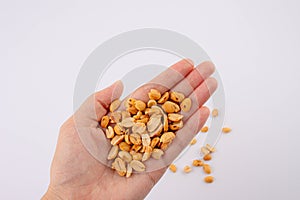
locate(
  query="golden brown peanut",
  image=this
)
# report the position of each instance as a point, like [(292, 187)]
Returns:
[(137, 165), (127, 140), (147, 154), (210, 148), (206, 168), (164, 146), (154, 94), (204, 129), (157, 131), (166, 123), (215, 112), (193, 141), (151, 103), (174, 117), (198, 163), (186, 105), (164, 98), (173, 168), (121, 173), (117, 139), (114, 105), (207, 157), (226, 130), (132, 110), (104, 121), (140, 105), (135, 139), (136, 148), (118, 130), (167, 137), (154, 142), (170, 107), (124, 146), (113, 152), (176, 125), (209, 179), (187, 169), (129, 102), (109, 132), (115, 117), (157, 153), (177, 97)]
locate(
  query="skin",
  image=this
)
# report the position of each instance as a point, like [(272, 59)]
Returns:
[(76, 174)]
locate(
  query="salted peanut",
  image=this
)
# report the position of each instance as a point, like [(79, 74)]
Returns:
[(164, 98), (193, 141), (210, 148), (124, 146), (154, 94), (114, 105), (117, 139), (204, 151), (124, 155), (132, 110), (167, 137), (129, 102), (154, 122), (147, 154), (127, 140), (137, 165), (164, 146), (146, 141), (118, 129), (138, 115), (139, 128), (209, 179), (136, 148), (170, 107), (113, 152), (206, 168), (198, 163), (154, 142), (187, 169), (207, 157), (173, 168), (157, 153), (104, 121), (226, 130), (129, 171), (109, 132), (140, 105), (115, 117), (166, 123), (125, 114), (215, 112), (127, 122), (176, 125), (186, 105), (136, 155), (135, 139), (175, 117), (119, 165), (204, 129), (177, 96), (121, 173), (151, 103)]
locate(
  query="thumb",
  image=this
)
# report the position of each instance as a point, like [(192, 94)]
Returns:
[(97, 104)]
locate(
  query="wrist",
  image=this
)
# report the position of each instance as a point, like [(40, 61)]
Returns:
[(51, 195)]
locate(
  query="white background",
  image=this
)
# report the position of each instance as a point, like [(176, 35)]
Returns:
[(254, 44)]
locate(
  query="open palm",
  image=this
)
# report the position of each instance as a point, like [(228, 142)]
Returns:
[(76, 172)]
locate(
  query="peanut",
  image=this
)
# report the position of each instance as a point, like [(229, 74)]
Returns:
[(167, 137), (175, 117), (137, 165), (177, 97), (198, 163), (207, 157), (186, 105), (164, 98), (206, 168), (151, 103), (124, 146), (226, 130), (170, 107), (173, 168), (187, 169), (109, 132), (140, 105), (124, 155), (154, 94), (193, 141), (157, 153), (209, 179), (104, 121), (135, 139), (113, 152), (215, 112), (204, 129), (117, 139), (114, 105)]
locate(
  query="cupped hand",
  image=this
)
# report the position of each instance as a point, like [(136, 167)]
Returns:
[(77, 173)]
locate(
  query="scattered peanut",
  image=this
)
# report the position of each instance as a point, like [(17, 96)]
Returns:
[(209, 179), (193, 141), (215, 112), (206, 168), (226, 130), (187, 169), (198, 163), (173, 168), (204, 129), (207, 157)]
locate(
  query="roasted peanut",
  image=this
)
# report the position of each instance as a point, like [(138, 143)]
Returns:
[(137, 165), (215, 112), (206, 168), (187, 169), (173, 168), (193, 141), (140, 105), (113, 152), (109, 132), (177, 97), (198, 163), (207, 157), (170, 107), (151, 103), (204, 129), (164, 98), (154, 94), (209, 179), (124, 146), (104, 121), (226, 130), (135, 139), (117, 139), (175, 117), (114, 105), (157, 153), (186, 105)]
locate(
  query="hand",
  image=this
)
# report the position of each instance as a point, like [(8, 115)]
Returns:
[(76, 172)]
